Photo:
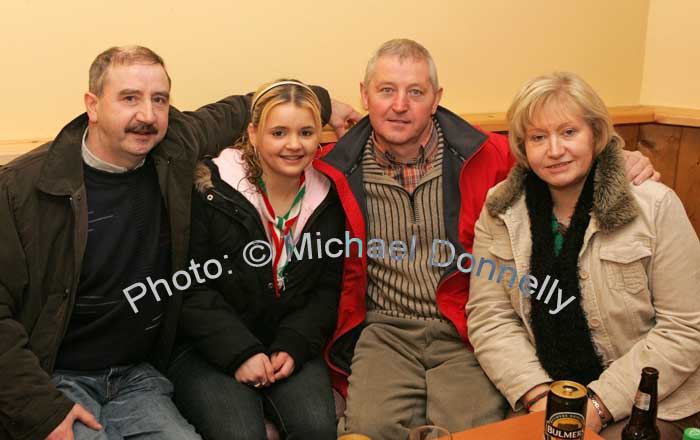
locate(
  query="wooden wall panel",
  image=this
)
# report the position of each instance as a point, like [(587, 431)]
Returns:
[(630, 133), (660, 143), (688, 174)]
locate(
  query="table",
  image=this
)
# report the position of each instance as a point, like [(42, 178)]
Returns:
[(529, 427)]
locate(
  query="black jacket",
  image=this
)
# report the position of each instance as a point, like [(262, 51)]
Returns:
[(43, 233), (237, 315)]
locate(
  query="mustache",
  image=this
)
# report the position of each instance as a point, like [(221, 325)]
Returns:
[(141, 128)]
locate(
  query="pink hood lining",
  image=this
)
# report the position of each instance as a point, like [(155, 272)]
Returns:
[(232, 171)]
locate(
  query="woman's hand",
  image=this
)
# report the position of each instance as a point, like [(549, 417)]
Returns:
[(541, 405), (535, 391), (593, 421), (283, 364), (256, 371)]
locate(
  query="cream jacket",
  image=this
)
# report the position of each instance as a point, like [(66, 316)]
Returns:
[(639, 271)]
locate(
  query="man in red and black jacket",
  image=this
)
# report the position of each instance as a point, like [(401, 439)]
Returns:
[(412, 172)]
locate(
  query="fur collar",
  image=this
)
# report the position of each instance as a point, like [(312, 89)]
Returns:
[(613, 204), (202, 178)]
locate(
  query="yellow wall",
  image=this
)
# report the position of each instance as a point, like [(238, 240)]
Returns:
[(484, 49), (672, 59)]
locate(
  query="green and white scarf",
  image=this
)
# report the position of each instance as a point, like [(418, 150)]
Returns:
[(279, 227)]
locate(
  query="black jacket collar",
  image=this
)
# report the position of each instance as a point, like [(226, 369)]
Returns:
[(62, 171), (460, 137)]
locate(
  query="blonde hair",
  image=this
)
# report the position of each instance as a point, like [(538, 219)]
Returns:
[(120, 56), (265, 99), (563, 88), (405, 49)]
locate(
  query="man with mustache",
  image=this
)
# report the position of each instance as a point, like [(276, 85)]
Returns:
[(103, 206)]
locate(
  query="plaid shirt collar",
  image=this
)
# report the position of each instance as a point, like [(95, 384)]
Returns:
[(425, 152), (408, 174)]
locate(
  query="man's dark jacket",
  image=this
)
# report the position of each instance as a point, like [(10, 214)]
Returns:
[(43, 233)]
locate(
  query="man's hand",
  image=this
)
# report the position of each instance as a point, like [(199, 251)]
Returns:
[(343, 117), (638, 167), (64, 431), (283, 364), (256, 371)]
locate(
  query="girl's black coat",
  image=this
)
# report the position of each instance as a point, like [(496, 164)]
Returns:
[(237, 315)]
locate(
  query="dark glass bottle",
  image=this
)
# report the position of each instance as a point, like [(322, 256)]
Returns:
[(642, 423)]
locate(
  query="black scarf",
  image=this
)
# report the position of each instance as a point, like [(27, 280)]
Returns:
[(563, 341)]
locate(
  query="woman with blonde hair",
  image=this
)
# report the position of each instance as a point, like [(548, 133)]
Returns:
[(258, 329), (626, 260)]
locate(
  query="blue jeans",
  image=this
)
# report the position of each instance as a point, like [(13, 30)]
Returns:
[(129, 402), (301, 406)]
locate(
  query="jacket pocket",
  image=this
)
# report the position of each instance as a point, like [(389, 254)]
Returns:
[(624, 267)]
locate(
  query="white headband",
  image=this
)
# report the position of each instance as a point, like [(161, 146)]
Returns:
[(277, 84)]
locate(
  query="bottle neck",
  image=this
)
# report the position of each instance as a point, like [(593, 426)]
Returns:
[(645, 402)]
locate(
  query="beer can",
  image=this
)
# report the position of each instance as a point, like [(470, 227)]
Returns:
[(566, 411)]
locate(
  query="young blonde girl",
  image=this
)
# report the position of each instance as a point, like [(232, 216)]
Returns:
[(258, 330)]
